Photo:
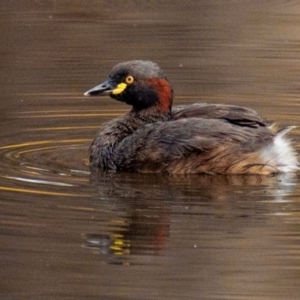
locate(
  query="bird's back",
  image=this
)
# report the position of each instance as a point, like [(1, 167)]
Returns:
[(237, 115)]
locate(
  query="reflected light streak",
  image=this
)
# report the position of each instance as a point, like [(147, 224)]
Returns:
[(62, 128), (39, 192), (37, 150), (72, 115), (44, 142), (81, 171), (74, 110), (46, 94), (38, 181)]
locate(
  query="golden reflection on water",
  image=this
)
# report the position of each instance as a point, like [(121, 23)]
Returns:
[(62, 128), (61, 115), (28, 144), (40, 192)]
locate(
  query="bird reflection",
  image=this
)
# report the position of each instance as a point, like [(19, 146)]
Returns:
[(137, 209)]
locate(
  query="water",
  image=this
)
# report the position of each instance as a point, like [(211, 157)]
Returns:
[(68, 232)]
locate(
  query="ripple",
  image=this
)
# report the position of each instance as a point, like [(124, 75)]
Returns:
[(50, 163), (44, 152)]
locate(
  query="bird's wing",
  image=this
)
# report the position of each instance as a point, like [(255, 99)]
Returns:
[(237, 115), (158, 144)]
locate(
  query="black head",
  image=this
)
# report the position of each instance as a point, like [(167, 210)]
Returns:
[(139, 83)]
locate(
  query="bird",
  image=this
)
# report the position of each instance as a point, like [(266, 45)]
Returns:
[(154, 137)]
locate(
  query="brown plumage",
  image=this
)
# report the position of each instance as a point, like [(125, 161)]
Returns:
[(188, 139)]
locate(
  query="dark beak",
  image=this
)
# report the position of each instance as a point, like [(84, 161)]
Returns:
[(102, 89)]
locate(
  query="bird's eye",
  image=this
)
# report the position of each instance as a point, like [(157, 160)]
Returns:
[(129, 79)]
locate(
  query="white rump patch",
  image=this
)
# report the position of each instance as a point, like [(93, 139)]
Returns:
[(280, 153)]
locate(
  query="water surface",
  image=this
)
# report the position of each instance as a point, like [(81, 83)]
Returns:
[(68, 232)]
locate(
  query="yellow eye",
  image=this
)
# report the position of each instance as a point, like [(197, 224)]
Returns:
[(129, 79)]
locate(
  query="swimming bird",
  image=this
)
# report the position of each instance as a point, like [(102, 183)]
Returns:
[(188, 139)]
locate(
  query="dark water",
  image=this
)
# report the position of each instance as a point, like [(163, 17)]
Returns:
[(69, 233)]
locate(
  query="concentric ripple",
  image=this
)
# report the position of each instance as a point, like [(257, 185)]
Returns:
[(49, 163), (50, 157)]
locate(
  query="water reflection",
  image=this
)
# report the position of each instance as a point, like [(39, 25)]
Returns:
[(139, 208)]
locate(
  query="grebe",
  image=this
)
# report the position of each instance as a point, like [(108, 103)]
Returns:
[(187, 139)]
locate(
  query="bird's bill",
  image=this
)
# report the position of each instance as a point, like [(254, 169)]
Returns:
[(104, 88), (107, 87)]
